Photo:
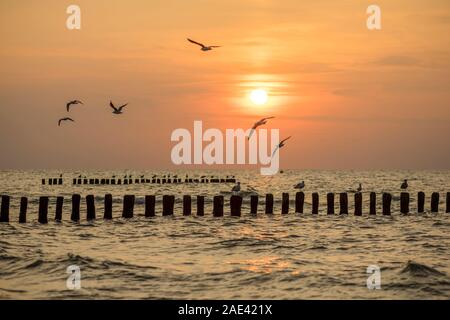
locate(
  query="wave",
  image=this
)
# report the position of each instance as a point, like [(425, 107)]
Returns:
[(420, 270)]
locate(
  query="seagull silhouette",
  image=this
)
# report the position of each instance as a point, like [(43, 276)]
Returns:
[(359, 188), (203, 47), (257, 124), (280, 145), (117, 110), (64, 119), (300, 185), (404, 185), (73, 102), (236, 188)]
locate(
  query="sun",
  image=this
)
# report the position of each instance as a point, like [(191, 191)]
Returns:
[(259, 97)]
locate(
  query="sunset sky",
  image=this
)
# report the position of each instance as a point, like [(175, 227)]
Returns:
[(350, 98)]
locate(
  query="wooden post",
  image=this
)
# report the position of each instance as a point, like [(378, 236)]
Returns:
[(358, 204), (107, 214), (343, 203), (75, 216), (90, 207), (299, 202), (435, 202), (168, 204), (254, 204), (187, 205), (96, 181), (315, 203), (150, 202), (330, 203), (43, 210), (4, 210), (23, 210), (55, 181), (50, 181), (235, 205), (74, 181), (59, 208), (387, 198), (421, 202), (60, 181), (285, 203), (43, 182), (85, 181), (218, 206), (269, 203), (404, 202), (128, 206), (447, 210), (200, 206), (373, 204)]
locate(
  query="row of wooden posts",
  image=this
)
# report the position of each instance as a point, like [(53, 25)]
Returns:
[(168, 202), (96, 181)]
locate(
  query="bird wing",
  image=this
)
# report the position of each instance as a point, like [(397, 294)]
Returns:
[(197, 43), (112, 106), (121, 107), (68, 105), (70, 119), (286, 139), (59, 122), (251, 133), (78, 101), (215, 46), (275, 150), (263, 119)]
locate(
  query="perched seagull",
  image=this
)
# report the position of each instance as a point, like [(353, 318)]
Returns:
[(300, 185), (280, 145), (404, 184), (204, 48), (73, 102), (117, 110), (64, 119), (236, 188), (257, 124), (359, 188)]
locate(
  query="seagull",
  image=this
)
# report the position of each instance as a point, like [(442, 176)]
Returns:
[(404, 184), (236, 188), (359, 188), (280, 145), (257, 124), (300, 185), (117, 110), (64, 119), (204, 48), (73, 102)]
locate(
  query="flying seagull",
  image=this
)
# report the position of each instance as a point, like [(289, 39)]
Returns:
[(280, 145), (73, 102), (300, 185), (117, 110), (404, 184), (64, 119), (257, 124), (203, 47)]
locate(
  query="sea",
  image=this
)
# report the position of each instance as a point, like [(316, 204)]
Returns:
[(293, 256)]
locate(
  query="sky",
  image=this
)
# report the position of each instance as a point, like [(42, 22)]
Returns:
[(351, 98)]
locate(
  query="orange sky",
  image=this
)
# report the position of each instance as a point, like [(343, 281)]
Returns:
[(351, 98)]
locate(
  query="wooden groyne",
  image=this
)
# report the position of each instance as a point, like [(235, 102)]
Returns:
[(127, 181), (235, 203)]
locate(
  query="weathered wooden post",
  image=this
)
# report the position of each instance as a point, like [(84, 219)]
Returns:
[(218, 206), (373, 204), (254, 204), (97, 181), (23, 210), (404, 202), (435, 202), (315, 203), (299, 202), (421, 202), (168, 204), (59, 208), (43, 181), (103, 181), (75, 216), (43, 210), (50, 181), (285, 203), (74, 181), (235, 205), (85, 181), (387, 198), (60, 181), (128, 206), (200, 206), (343, 203), (269, 203), (4, 209), (187, 205), (90, 207), (358, 204), (330, 203), (55, 181), (447, 210), (150, 203), (107, 214)]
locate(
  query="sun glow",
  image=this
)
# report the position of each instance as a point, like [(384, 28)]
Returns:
[(259, 97)]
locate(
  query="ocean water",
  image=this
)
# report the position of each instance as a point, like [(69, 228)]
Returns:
[(252, 257)]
